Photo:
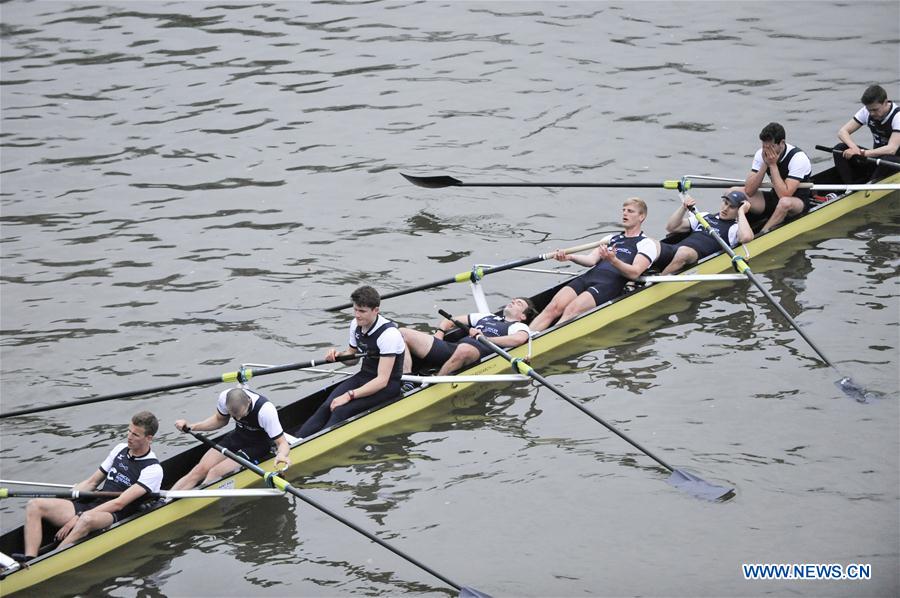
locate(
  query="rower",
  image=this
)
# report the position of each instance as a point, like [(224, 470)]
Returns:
[(378, 380), (787, 167), (257, 428), (731, 224), (130, 468), (625, 257), (882, 116), (507, 331)]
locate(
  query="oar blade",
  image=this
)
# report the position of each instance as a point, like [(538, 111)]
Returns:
[(432, 182), (688, 482), (467, 592), (855, 391)]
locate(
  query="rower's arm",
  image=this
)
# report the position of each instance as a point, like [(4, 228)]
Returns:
[(282, 452), (745, 232), (678, 222), (91, 483), (446, 325), (754, 180), (385, 365), (885, 150), (510, 340), (846, 132), (630, 271), (133, 493), (782, 187), (213, 422)]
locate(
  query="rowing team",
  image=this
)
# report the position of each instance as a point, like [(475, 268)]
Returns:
[(132, 469)]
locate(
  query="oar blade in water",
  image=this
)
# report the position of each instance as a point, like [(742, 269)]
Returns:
[(467, 592), (699, 487), (854, 390)]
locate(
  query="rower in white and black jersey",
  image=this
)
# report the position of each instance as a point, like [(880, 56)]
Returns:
[(882, 116), (509, 330), (731, 224), (256, 429), (624, 257), (378, 380), (130, 468), (787, 166)]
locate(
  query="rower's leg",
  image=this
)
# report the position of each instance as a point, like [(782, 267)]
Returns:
[(462, 356), (554, 309), (581, 304), (684, 256), (200, 471), (55, 510), (417, 343), (787, 206), (88, 522), (220, 470)]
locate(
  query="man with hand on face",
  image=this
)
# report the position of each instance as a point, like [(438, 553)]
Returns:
[(787, 167), (378, 380)]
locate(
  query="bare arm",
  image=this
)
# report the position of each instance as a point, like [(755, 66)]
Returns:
[(844, 134), (282, 452), (91, 483), (510, 340), (885, 150), (213, 422), (745, 233), (133, 493), (630, 271), (678, 222)]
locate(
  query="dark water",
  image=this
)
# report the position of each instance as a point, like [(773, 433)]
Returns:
[(185, 187)]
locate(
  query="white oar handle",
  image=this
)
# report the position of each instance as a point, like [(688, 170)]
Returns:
[(578, 248)]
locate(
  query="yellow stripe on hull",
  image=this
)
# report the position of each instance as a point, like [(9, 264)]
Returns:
[(88, 550)]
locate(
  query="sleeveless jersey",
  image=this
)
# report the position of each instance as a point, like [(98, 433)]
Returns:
[(369, 342), (881, 130), (123, 471)]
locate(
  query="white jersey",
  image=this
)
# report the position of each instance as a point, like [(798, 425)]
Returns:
[(268, 413)]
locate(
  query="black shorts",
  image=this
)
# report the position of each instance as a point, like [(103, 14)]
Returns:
[(440, 352), (601, 289), (82, 506), (255, 451), (772, 200)]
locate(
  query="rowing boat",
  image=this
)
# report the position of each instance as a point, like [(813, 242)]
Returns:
[(52, 562)]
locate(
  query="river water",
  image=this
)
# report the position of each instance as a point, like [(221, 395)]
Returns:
[(186, 186)]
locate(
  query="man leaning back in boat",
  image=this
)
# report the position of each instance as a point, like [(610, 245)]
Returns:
[(130, 468), (625, 257), (378, 380), (256, 429), (508, 331)]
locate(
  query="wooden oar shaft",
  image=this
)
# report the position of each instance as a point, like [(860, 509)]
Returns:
[(526, 369), (237, 376), (744, 269), (276, 481)]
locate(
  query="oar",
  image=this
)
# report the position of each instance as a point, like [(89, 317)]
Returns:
[(876, 161), (478, 273), (93, 495), (239, 376), (680, 479), (846, 384), (274, 480), (439, 182)]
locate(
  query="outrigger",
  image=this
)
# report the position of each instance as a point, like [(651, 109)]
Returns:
[(52, 561)]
